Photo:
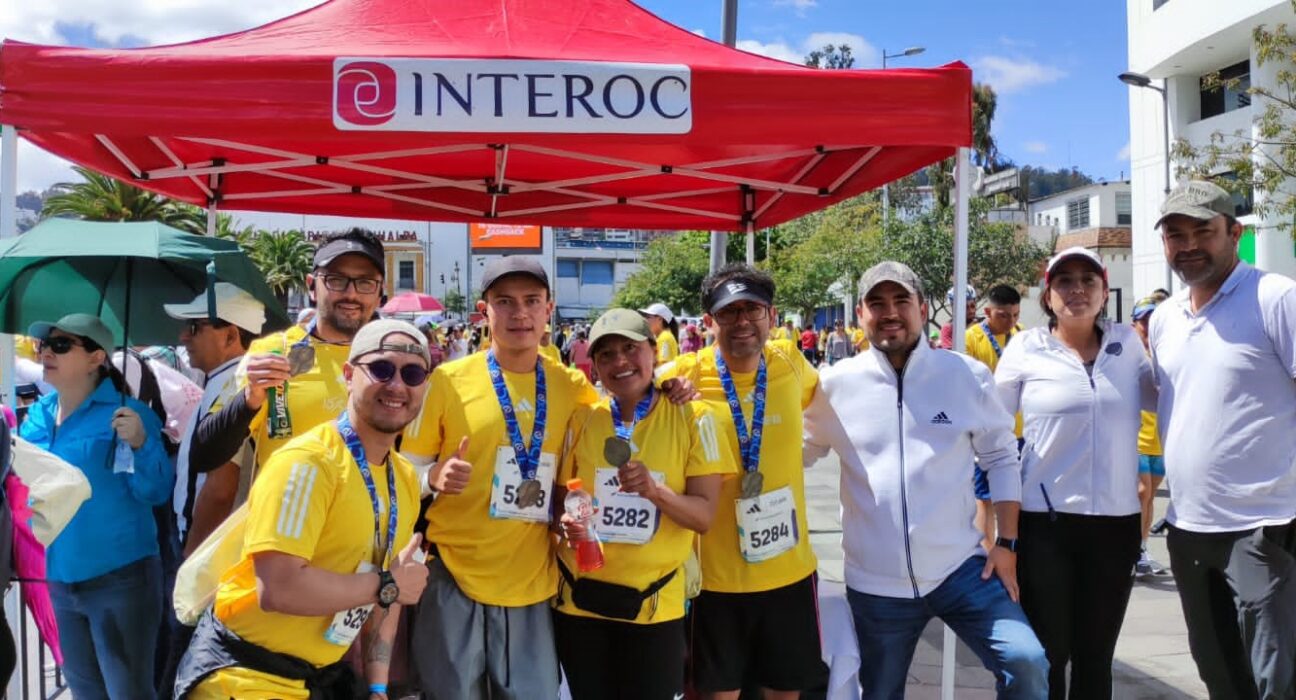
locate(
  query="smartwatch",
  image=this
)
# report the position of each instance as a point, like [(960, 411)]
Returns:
[(387, 589), (1006, 543)]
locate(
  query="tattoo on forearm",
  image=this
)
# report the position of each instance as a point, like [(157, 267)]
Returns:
[(379, 651)]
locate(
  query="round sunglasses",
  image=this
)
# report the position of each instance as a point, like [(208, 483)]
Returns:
[(384, 371)]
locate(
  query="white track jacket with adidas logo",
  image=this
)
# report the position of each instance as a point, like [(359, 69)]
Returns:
[(907, 441)]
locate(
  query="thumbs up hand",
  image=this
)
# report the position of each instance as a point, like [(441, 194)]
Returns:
[(450, 476), (410, 572)]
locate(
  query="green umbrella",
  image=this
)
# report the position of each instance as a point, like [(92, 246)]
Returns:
[(123, 273)]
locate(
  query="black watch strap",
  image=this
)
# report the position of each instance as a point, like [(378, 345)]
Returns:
[(1006, 543), (388, 591)]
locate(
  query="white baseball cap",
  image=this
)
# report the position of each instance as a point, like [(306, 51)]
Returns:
[(233, 305), (659, 309), (1075, 253)]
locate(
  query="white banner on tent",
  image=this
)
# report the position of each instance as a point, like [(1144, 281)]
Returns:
[(511, 96)]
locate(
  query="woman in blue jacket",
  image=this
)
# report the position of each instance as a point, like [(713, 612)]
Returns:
[(104, 572)]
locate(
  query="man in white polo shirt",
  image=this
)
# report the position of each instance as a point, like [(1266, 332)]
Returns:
[(1224, 351)]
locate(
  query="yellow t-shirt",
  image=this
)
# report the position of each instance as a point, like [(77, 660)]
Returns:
[(667, 348), (495, 561), (551, 351), (680, 442), (781, 333), (859, 340), (311, 502), (318, 396), (25, 347), (791, 385), (979, 346), (1149, 443)]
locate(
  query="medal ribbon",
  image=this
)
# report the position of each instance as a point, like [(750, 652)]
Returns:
[(352, 440), (749, 441), (528, 460), (640, 412), (985, 328)]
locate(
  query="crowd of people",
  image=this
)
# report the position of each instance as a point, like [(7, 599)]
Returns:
[(404, 496)]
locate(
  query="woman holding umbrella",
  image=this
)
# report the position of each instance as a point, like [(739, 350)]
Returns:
[(104, 571)]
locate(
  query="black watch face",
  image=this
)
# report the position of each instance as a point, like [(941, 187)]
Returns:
[(388, 593)]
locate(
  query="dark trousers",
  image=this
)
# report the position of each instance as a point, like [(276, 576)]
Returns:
[(614, 660), (1075, 576), (1238, 591)]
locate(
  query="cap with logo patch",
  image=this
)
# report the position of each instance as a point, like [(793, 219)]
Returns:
[(1198, 199), (619, 322), (373, 337), (890, 271), (734, 291)]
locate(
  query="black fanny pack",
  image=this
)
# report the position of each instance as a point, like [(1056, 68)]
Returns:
[(610, 599)]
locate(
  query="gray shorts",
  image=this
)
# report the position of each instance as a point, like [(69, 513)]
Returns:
[(464, 650)]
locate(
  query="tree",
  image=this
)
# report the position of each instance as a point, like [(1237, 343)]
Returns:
[(842, 246), (672, 271), (102, 198), (455, 303), (1042, 182), (831, 57), (1260, 161), (985, 152)]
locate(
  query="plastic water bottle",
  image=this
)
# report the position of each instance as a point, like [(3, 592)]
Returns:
[(580, 506)]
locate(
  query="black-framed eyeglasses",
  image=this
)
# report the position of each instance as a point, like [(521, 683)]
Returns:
[(60, 344), (729, 314), (383, 371), (339, 283)]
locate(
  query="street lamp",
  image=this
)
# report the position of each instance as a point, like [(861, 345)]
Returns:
[(1139, 80), (886, 190)]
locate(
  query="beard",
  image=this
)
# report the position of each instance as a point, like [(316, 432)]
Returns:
[(1206, 269), (340, 323)]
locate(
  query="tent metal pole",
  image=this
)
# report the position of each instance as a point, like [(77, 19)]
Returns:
[(962, 178), (8, 229), (719, 239), (211, 219)]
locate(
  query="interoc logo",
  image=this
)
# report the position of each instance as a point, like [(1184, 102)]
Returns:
[(366, 93)]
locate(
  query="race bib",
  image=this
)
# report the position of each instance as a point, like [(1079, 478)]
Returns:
[(624, 517), (767, 524), (507, 481), (347, 623)]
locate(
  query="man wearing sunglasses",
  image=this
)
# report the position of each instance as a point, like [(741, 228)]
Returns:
[(757, 615), (329, 552), (292, 380)]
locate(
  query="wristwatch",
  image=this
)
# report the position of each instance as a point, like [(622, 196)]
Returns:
[(1006, 543), (387, 589)]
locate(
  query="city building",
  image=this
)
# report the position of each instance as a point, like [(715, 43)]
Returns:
[(1176, 43)]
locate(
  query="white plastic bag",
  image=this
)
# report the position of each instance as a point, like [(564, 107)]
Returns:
[(56, 489), (200, 575)]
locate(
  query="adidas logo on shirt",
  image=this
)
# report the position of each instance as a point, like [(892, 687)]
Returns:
[(614, 482), (524, 406), (941, 419)]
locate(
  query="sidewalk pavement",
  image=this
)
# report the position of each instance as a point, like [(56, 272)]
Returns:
[(1152, 659)]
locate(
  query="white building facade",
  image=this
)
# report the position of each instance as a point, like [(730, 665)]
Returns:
[(1176, 43)]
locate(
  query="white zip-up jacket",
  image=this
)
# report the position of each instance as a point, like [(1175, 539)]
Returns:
[(1080, 429), (907, 442)]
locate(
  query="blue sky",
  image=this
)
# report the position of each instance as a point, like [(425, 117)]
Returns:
[(1054, 64)]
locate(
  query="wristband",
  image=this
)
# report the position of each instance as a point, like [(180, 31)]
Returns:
[(380, 688)]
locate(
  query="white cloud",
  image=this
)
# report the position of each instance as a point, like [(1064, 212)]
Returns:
[(800, 6), (699, 32), (154, 21), (1124, 153), (866, 56), (1035, 146), (1007, 75), (37, 169)]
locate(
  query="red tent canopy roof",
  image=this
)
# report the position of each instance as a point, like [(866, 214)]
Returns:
[(248, 120)]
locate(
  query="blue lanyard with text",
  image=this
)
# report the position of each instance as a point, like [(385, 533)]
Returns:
[(528, 460), (640, 412), (352, 441), (749, 442), (985, 328)]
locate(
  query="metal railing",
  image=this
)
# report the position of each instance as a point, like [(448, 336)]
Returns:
[(37, 675)]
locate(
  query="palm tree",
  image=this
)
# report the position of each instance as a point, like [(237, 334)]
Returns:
[(284, 257), (985, 153), (102, 198)]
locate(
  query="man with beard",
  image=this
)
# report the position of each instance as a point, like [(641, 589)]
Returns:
[(328, 541), (912, 551), (292, 380), (1224, 351)]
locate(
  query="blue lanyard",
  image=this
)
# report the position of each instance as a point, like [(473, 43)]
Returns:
[(641, 411), (528, 460), (352, 441), (749, 442), (304, 341), (985, 328)]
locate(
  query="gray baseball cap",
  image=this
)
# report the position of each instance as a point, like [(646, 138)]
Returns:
[(373, 338), (890, 271), (84, 325), (503, 266), (1198, 199), (623, 322)]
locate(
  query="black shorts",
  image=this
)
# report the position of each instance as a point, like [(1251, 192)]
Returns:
[(770, 639), (614, 660)]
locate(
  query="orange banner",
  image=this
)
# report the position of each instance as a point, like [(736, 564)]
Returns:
[(489, 238)]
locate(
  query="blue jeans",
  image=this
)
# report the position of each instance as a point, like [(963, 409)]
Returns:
[(980, 612), (108, 627)]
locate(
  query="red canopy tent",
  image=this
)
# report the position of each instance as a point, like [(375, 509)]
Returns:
[(554, 112)]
